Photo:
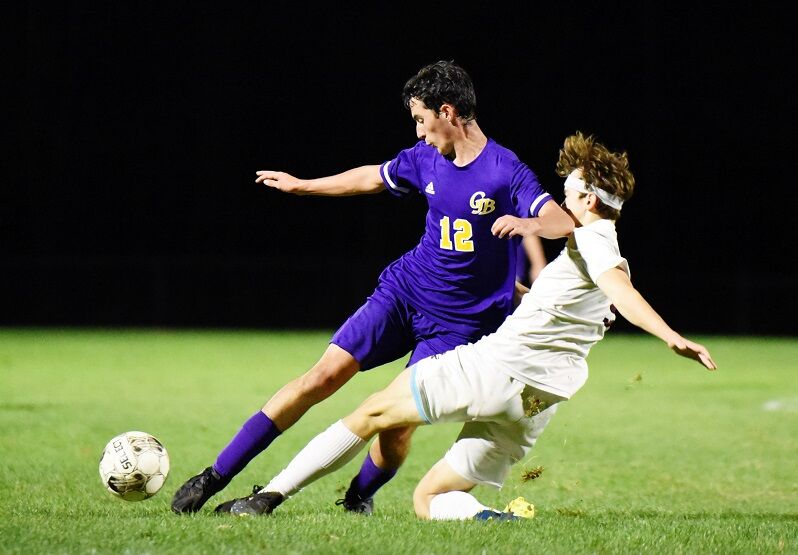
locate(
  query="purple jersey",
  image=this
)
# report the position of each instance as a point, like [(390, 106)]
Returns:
[(460, 275)]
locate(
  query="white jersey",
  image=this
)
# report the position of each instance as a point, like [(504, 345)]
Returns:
[(544, 343)]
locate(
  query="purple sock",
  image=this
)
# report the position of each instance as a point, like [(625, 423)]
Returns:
[(370, 478), (254, 436)]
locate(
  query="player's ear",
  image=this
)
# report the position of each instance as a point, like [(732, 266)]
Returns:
[(448, 112)]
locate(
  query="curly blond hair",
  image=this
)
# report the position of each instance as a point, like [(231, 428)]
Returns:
[(600, 168)]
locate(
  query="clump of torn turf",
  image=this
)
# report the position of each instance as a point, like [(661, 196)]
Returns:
[(533, 406), (634, 381), (531, 474)]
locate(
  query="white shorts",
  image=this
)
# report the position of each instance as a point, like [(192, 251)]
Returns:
[(504, 417)]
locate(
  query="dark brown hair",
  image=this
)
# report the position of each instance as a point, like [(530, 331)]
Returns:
[(600, 168), (439, 83)]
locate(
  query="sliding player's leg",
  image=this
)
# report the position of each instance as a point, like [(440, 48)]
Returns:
[(482, 455), (393, 407), (510, 415), (444, 495), (450, 489)]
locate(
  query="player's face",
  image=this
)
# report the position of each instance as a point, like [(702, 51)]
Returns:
[(577, 203), (431, 127)]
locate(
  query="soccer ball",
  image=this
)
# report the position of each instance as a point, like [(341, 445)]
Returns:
[(134, 466)]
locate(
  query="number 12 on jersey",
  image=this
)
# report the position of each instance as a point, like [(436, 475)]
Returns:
[(462, 235)]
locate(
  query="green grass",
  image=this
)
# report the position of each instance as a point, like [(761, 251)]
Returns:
[(654, 455)]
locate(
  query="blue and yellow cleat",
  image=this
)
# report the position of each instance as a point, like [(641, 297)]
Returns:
[(516, 509), (521, 508), (490, 514)]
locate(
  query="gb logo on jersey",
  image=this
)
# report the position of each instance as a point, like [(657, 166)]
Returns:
[(481, 204)]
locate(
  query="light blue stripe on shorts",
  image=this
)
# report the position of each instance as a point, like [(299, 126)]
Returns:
[(417, 395)]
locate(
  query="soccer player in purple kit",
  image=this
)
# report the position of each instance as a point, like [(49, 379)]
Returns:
[(454, 287)]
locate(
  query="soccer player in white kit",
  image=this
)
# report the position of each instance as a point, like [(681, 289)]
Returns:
[(507, 386)]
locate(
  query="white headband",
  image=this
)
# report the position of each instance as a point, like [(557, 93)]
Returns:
[(579, 184)]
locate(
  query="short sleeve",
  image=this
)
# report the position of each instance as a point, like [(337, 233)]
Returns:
[(401, 175), (528, 194), (599, 251)]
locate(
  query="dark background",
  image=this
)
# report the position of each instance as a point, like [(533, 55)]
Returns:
[(134, 133)]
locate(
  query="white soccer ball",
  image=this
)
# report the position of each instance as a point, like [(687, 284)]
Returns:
[(134, 466)]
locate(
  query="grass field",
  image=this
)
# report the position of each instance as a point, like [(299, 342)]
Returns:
[(654, 455)]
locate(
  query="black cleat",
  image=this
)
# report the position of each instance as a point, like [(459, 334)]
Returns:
[(262, 503), (353, 503), (197, 490), (227, 505)]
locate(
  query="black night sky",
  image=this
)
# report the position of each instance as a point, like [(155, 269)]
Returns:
[(135, 131)]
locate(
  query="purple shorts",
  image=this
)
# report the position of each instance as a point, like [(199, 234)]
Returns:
[(387, 328)]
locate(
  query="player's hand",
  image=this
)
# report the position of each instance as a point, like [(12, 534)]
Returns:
[(689, 349), (510, 226), (282, 181)]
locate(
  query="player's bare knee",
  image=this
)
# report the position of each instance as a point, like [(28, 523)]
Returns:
[(367, 420), (359, 425), (421, 501), (333, 370), (323, 380)]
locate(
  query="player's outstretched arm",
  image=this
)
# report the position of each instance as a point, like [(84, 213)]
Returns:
[(357, 181), (552, 222), (615, 283)]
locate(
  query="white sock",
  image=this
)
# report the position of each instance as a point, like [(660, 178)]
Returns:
[(325, 453), (454, 505)]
